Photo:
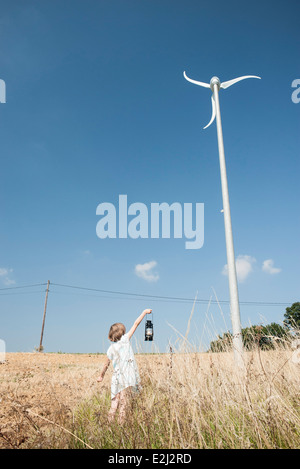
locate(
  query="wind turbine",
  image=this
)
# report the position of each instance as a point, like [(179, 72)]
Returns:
[(215, 85)]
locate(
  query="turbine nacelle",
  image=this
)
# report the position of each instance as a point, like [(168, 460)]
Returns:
[(216, 81)]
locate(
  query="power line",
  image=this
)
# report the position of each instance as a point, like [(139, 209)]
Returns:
[(171, 298), (22, 293), (140, 295), (115, 297), (24, 286)]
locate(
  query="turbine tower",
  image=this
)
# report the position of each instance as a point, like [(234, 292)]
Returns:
[(215, 86)]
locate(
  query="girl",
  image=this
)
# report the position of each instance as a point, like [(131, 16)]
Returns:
[(125, 375)]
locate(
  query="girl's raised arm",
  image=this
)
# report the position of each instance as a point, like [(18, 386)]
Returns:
[(138, 321)]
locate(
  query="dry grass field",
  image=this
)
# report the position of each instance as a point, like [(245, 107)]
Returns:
[(39, 388), (188, 400)]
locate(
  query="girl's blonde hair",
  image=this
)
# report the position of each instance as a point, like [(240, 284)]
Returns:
[(116, 331)]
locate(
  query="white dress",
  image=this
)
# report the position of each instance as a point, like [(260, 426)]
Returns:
[(125, 372)]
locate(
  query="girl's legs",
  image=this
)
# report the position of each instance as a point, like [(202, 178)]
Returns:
[(123, 405), (113, 407), (121, 401)]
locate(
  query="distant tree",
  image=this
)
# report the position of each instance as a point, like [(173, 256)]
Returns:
[(292, 316), (254, 336), (222, 344)]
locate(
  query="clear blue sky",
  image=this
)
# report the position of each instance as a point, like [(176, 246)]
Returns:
[(97, 106)]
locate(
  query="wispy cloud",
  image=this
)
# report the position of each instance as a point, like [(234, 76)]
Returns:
[(268, 267), (145, 271), (5, 276), (244, 266)]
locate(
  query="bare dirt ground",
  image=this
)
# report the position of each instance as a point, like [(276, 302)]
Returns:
[(39, 388)]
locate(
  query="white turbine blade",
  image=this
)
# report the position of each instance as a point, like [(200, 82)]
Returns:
[(206, 85), (226, 84), (213, 105)]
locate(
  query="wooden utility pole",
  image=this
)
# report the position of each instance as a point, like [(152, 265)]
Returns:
[(44, 316)]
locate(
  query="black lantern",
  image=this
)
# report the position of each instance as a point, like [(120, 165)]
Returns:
[(149, 330)]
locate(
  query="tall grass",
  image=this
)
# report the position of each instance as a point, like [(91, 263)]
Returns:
[(200, 400), (188, 400)]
